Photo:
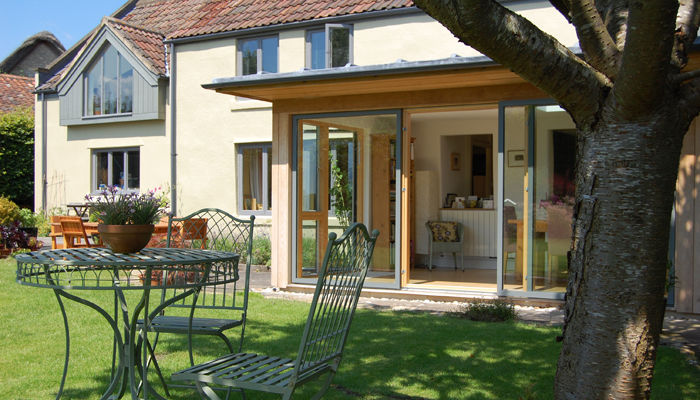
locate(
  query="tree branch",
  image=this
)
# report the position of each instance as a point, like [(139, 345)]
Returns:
[(646, 58), (614, 14), (598, 46), (686, 76), (516, 43), (563, 7), (687, 23)]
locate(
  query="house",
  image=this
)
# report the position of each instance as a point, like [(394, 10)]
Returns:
[(35, 52), (312, 114)]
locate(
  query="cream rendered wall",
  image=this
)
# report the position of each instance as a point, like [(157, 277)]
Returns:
[(69, 154), (419, 37), (209, 125)]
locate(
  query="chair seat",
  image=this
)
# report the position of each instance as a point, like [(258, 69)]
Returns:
[(243, 370), (177, 324)]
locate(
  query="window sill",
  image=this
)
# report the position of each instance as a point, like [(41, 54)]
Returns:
[(102, 116)]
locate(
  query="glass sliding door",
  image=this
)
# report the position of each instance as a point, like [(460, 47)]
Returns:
[(538, 153), (346, 172)]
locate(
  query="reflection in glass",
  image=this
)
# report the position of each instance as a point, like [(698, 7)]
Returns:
[(133, 162), (310, 179), (249, 57), (309, 248), (102, 170), (340, 46), (126, 85), (118, 169), (317, 40), (94, 89), (110, 80), (252, 178)]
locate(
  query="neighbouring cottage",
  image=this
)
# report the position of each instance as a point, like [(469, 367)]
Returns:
[(310, 115)]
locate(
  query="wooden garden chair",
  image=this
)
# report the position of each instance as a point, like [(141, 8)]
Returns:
[(74, 234), (335, 299), (214, 229)]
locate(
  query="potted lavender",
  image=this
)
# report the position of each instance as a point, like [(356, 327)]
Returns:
[(126, 220)]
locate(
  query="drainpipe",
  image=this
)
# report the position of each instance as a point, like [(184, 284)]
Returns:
[(173, 131), (44, 156)]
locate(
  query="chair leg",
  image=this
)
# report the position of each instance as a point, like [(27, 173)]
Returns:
[(430, 259), (206, 392), (325, 386), (228, 342), (454, 256)]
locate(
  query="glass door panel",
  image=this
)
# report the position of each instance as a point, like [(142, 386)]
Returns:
[(553, 194), (539, 150), (347, 172)]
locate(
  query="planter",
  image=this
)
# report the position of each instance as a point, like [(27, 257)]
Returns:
[(125, 238)]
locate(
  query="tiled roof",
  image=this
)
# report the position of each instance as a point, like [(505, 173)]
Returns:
[(183, 18), (15, 91), (146, 23), (145, 44)]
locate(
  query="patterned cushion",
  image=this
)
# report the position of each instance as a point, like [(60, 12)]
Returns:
[(444, 231)]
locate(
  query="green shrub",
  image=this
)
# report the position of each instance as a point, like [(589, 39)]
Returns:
[(29, 219), (490, 311), (262, 251), (9, 211), (17, 156)]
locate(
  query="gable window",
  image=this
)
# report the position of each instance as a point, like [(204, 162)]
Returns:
[(257, 55), (109, 85), (254, 173), (116, 167), (329, 47)]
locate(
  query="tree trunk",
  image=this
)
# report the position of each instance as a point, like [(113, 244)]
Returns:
[(626, 175)]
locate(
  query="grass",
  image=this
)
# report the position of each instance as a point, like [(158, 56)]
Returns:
[(389, 355)]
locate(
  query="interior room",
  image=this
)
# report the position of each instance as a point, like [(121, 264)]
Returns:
[(455, 169)]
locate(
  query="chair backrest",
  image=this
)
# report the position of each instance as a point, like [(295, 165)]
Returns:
[(73, 226), (56, 224), (445, 230), (338, 289), (215, 229)]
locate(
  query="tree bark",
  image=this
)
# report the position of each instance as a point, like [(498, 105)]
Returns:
[(631, 114), (626, 175)]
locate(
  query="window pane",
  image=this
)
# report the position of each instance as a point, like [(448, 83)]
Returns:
[(118, 169), (318, 49), (252, 179), (94, 90), (102, 178), (310, 165), (340, 46), (126, 85), (110, 81), (133, 177), (309, 248), (249, 57), (269, 179), (269, 54)]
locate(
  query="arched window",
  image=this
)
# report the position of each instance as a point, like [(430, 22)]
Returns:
[(109, 85)]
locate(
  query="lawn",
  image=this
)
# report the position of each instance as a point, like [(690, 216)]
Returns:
[(389, 355)]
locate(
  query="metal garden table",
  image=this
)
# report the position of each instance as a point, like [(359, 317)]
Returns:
[(100, 269)]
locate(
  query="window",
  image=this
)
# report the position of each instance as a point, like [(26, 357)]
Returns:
[(329, 47), (118, 167), (257, 55), (109, 85), (254, 170)]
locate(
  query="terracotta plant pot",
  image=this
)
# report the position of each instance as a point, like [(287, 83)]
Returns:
[(125, 238)]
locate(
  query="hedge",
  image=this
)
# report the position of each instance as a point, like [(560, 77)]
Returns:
[(17, 156)]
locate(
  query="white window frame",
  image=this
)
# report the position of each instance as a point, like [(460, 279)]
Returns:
[(86, 94), (259, 39), (326, 28), (110, 151), (267, 153)]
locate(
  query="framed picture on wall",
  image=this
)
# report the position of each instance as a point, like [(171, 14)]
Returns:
[(454, 162), (516, 158)]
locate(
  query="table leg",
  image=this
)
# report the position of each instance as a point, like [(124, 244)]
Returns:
[(120, 369)]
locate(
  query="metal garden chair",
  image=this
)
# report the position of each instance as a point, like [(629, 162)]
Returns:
[(214, 229), (335, 299)]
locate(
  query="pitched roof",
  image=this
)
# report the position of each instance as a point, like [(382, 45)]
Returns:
[(184, 18), (15, 91), (146, 45), (26, 47), (144, 24)]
